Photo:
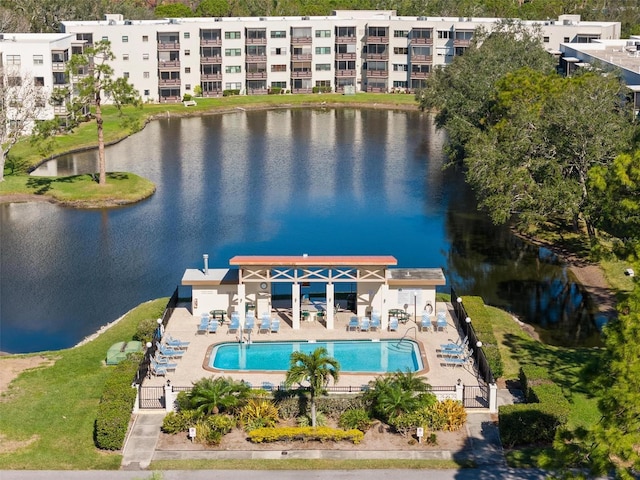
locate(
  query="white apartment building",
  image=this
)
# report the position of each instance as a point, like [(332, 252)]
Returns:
[(33, 65), (373, 51)]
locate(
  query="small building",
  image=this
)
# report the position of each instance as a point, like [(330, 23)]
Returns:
[(247, 285)]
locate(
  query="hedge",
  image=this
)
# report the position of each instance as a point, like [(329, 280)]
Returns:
[(116, 404), (321, 434), (482, 326)]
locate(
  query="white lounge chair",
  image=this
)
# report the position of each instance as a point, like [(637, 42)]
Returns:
[(393, 324)]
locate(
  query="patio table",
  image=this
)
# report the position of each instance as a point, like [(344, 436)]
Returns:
[(400, 314), (219, 315)]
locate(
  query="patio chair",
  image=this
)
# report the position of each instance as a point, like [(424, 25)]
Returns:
[(168, 352), (160, 361), (268, 386), (455, 346), (213, 326), (425, 322), (441, 321), (234, 326), (265, 324), (393, 324), (459, 361), (354, 325), (204, 325), (375, 322), (275, 325), (175, 343), (365, 324), (249, 323), (157, 370)]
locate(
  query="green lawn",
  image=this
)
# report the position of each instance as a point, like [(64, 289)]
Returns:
[(305, 464), (55, 407)]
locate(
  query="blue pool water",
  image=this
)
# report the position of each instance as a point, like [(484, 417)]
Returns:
[(354, 356)]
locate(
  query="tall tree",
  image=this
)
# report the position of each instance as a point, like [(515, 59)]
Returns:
[(22, 100), (215, 395), (95, 79), (316, 368)]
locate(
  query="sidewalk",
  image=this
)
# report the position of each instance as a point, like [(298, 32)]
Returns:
[(484, 446)]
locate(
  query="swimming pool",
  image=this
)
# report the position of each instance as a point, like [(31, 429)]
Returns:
[(354, 356)]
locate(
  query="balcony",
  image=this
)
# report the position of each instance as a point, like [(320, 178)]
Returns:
[(211, 42), (420, 75), (169, 64), (377, 73), (255, 41), (257, 91), (208, 77), (376, 90), (422, 41), (168, 82), (421, 58), (301, 74), (345, 56), (256, 75), (377, 40), (377, 56), (461, 43), (301, 56), (345, 73), (256, 59), (212, 93), (59, 66), (60, 110), (301, 40), (301, 90), (210, 60), (347, 40), (169, 46)]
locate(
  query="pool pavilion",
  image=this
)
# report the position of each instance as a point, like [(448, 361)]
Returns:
[(247, 285)]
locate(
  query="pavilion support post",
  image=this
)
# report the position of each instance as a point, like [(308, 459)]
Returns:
[(384, 311), (242, 302), (330, 306), (295, 301)]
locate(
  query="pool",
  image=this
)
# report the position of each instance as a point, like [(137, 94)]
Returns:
[(355, 356)]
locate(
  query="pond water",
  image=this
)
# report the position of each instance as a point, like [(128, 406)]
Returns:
[(316, 181)]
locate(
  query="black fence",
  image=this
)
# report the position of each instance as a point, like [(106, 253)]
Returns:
[(467, 330), (151, 397), (476, 396)]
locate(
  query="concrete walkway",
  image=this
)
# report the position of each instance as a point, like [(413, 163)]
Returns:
[(484, 446)]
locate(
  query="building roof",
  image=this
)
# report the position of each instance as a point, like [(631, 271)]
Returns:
[(214, 276), (313, 260), (415, 276)]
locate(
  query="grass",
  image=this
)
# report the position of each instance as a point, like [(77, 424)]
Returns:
[(306, 464), (54, 407)]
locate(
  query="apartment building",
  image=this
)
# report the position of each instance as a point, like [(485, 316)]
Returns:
[(373, 51), (33, 65)]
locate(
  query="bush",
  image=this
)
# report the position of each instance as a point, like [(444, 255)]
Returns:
[(321, 434), (528, 424), (146, 330), (186, 97), (482, 326), (116, 404), (321, 89), (230, 92), (357, 418), (305, 420), (275, 91), (176, 422), (258, 413), (452, 413)]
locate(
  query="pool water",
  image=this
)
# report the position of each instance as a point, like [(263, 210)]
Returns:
[(354, 356)]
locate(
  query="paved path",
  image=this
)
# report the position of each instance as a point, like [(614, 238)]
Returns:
[(141, 443)]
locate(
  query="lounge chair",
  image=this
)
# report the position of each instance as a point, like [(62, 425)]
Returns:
[(234, 326), (393, 324), (455, 346), (168, 352), (275, 325), (213, 326), (265, 324), (365, 324), (175, 343), (441, 321), (157, 370), (163, 362), (268, 386), (425, 323), (459, 361), (249, 323), (204, 325), (354, 324), (375, 321)]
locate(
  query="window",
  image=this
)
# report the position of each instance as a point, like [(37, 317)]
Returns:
[(125, 39), (463, 35), (278, 68), (323, 83), (323, 50), (13, 59), (145, 74), (399, 84), (145, 38), (145, 56), (233, 69), (187, 86), (187, 53), (233, 85), (38, 59), (38, 81), (545, 39), (125, 57), (187, 35), (323, 33), (278, 51), (125, 74), (146, 92), (14, 81), (400, 50), (377, 32), (105, 38), (323, 67), (566, 40), (187, 69), (400, 33), (59, 78), (278, 34), (231, 35), (399, 67), (444, 34), (232, 52)]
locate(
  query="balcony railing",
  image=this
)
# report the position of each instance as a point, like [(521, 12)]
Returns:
[(348, 40), (256, 75), (377, 40), (377, 73), (257, 91), (168, 46), (212, 93), (301, 40), (206, 77), (345, 73), (59, 66), (210, 42), (169, 64), (345, 56), (301, 90), (377, 56), (420, 74), (421, 58), (255, 41), (168, 81), (256, 59), (422, 41), (301, 56), (209, 60), (461, 43), (60, 110), (302, 74), (376, 90)]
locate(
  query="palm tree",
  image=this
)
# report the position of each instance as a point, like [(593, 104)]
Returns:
[(213, 395), (402, 392), (316, 368)]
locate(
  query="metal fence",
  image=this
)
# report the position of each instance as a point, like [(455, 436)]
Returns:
[(475, 396), (151, 398), (467, 330)]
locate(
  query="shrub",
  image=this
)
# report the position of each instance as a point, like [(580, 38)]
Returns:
[(258, 413), (321, 434), (355, 418), (483, 329), (323, 89), (146, 330), (221, 423), (528, 423), (176, 422), (305, 420), (211, 429), (452, 412), (275, 91), (230, 92), (186, 97), (116, 404)]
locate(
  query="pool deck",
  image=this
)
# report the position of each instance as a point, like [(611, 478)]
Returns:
[(191, 367)]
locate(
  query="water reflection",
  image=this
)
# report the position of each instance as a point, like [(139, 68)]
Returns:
[(280, 182)]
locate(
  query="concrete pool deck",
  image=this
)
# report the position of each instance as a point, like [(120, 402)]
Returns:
[(191, 367)]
